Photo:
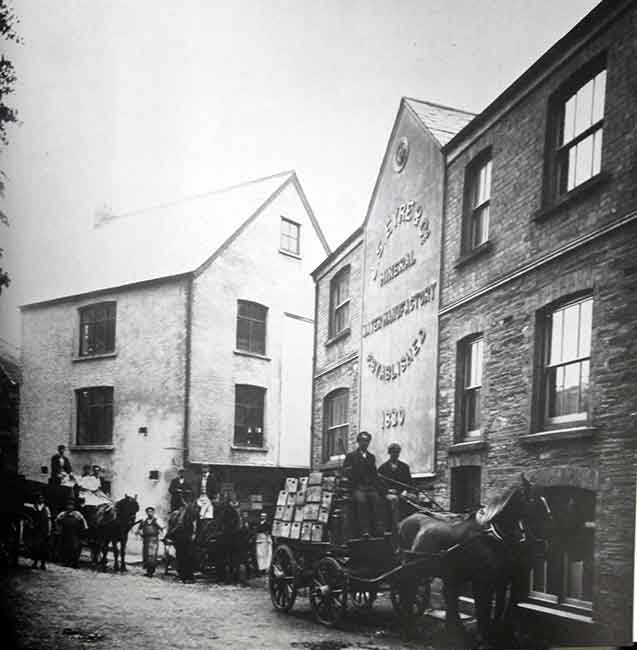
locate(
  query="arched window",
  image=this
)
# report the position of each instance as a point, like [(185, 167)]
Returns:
[(336, 423), (251, 319)]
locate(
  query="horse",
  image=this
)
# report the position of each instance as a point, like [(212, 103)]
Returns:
[(182, 525), (111, 523), (491, 548), (227, 547)]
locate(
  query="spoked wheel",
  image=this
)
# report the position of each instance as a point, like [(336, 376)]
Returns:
[(421, 600), (328, 592), (362, 600), (283, 577)]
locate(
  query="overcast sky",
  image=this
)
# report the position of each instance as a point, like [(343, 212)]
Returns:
[(125, 105)]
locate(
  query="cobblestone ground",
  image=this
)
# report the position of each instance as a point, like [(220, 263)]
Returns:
[(69, 609)]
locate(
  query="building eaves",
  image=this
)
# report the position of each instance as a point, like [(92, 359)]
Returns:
[(595, 20), (338, 251), (443, 122)]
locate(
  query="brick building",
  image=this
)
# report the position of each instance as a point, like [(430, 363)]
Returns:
[(531, 212), (171, 351)]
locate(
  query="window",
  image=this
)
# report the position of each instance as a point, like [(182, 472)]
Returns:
[(477, 202), (577, 130), (339, 302), (465, 488), (95, 415), (290, 236), (251, 327), (97, 329), (470, 386), (336, 420), (248, 415), (567, 333), (564, 574)]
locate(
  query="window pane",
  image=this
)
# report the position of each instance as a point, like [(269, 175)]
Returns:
[(480, 226), (584, 369), (571, 331), (584, 169), (570, 389), (243, 334), (584, 107), (598, 97), (572, 166), (568, 130), (557, 324), (258, 338), (472, 410), (597, 151), (585, 327), (476, 355)]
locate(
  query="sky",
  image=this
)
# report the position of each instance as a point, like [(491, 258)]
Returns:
[(127, 105)]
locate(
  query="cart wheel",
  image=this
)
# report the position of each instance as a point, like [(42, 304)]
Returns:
[(328, 592), (362, 600), (421, 601), (283, 576)]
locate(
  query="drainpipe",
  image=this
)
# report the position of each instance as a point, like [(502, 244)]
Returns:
[(185, 441)]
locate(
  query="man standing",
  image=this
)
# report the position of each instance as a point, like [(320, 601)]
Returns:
[(180, 491), (41, 532), (149, 530), (360, 467), (397, 479), (60, 466), (207, 494)]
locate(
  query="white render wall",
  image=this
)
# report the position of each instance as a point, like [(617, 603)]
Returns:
[(252, 268), (147, 374)]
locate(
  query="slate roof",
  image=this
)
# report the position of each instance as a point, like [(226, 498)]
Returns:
[(442, 121), (166, 240)]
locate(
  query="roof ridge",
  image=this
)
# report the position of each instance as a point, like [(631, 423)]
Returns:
[(194, 197), (438, 105)]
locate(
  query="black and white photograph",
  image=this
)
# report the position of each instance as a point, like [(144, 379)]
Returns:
[(318, 324)]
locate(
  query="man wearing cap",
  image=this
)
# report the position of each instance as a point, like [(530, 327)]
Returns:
[(396, 478), (149, 530), (180, 491), (360, 467)]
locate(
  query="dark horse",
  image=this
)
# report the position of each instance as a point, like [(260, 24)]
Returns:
[(490, 548), (227, 547), (110, 524), (182, 526)]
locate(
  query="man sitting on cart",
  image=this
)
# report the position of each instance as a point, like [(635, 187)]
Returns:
[(360, 467), (396, 480)]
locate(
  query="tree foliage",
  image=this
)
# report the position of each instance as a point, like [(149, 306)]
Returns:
[(8, 115)]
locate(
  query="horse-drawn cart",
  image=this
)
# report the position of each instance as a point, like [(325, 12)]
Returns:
[(334, 576), (337, 568)]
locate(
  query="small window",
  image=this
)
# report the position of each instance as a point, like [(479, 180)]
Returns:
[(465, 488), (290, 236), (563, 575), (97, 329), (339, 302), (251, 318), (248, 415), (95, 415), (477, 202), (577, 129), (566, 367), (470, 387), (336, 420)]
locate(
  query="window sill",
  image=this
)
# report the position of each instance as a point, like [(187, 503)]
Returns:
[(254, 355), (262, 450), (468, 445), (337, 337), (542, 609), (474, 253), (92, 448), (559, 434), (94, 357), (296, 256), (576, 194)]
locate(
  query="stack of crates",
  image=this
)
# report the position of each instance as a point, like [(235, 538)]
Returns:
[(303, 509)]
